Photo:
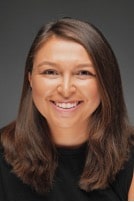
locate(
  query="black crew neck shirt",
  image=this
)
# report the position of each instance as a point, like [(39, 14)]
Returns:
[(65, 187)]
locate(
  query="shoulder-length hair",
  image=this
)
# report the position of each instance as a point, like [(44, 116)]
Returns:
[(27, 141)]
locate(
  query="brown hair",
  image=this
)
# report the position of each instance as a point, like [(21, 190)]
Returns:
[(27, 141)]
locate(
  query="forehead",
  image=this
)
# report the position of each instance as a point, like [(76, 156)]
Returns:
[(56, 47)]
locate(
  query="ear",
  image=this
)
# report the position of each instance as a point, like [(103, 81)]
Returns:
[(30, 79)]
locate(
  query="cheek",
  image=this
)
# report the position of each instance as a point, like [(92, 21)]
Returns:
[(91, 91), (40, 88), (39, 91)]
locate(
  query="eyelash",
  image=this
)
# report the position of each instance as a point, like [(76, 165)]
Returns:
[(50, 72), (83, 73)]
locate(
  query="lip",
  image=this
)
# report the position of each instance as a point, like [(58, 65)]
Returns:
[(59, 109), (66, 101)]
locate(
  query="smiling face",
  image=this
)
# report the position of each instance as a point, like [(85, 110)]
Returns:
[(64, 84)]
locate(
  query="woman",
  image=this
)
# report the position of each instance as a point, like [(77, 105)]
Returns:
[(71, 139)]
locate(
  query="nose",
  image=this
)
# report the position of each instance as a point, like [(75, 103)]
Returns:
[(67, 87)]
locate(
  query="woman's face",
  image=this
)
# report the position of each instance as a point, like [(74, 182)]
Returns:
[(64, 84)]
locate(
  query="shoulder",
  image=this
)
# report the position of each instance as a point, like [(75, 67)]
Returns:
[(128, 169), (124, 177)]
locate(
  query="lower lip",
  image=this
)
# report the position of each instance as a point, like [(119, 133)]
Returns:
[(65, 110)]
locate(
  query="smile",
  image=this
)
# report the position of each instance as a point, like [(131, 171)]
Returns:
[(66, 105)]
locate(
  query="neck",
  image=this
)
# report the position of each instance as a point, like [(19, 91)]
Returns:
[(69, 137)]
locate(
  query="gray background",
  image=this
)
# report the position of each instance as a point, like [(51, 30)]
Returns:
[(20, 21)]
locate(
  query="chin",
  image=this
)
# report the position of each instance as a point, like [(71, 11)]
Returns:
[(64, 125)]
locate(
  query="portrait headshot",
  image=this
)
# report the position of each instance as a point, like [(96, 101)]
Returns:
[(66, 83)]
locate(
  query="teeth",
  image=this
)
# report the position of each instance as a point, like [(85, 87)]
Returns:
[(66, 105)]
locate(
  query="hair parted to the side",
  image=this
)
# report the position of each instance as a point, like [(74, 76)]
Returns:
[(27, 141)]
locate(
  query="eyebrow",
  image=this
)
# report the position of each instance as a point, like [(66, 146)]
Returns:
[(82, 65), (46, 63), (85, 65)]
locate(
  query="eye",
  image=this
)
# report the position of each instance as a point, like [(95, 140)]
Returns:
[(85, 73), (50, 72)]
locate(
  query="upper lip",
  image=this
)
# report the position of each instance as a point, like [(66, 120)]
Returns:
[(66, 101)]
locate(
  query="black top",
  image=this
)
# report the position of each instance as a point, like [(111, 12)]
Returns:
[(65, 186)]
